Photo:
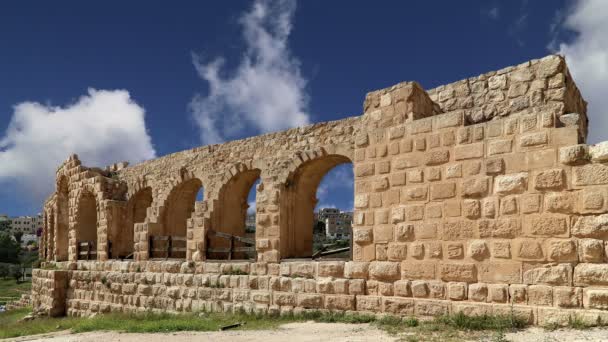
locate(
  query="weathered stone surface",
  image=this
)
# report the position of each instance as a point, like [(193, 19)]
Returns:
[(573, 155), (458, 272), (511, 183), (549, 275), (591, 274), (382, 270), (591, 226)]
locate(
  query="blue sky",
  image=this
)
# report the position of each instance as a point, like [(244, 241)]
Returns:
[(154, 66)]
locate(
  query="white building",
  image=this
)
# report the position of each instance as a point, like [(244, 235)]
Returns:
[(26, 224), (338, 224)]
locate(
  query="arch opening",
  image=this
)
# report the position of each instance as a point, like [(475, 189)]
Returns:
[(169, 241), (62, 221), (122, 240), (231, 234), (87, 226), (301, 234)]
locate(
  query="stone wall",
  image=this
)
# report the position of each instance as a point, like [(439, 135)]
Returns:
[(477, 196)]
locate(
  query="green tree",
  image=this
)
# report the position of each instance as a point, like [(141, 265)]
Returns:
[(4, 271), (17, 272), (18, 236), (9, 248)]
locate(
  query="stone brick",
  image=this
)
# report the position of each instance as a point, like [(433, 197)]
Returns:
[(518, 293), (591, 275), (309, 300), (595, 298), (495, 166), (546, 225), (540, 295), (500, 272), (340, 302), (478, 250), (330, 269), (528, 250), (591, 227), (381, 270), (458, 272), (511, 183), (368, 303), (469, 151), (550, 179), (398, 306), (549, 275), (591, 250), (478, 292), (443, 191), (499, 147), (420, 289), (533, 139), (404, 232), (417, 270), (356, 270), (402, 288), (591, 174), (471, 209), (562, 250), (458, 230), (457, 291), (573, 155), (437, 157), (498, 293), (567, 297), (560, 202), (455, 250)]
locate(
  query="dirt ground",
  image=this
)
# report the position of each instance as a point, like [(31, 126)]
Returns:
[(310, 331)]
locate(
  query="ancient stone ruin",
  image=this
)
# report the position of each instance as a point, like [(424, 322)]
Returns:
[(479, 196)]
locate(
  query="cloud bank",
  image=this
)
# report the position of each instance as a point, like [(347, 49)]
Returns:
[(587, 58), (102, 127), (266, 92)]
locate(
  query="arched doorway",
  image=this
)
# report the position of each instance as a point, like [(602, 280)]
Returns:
[(298, 202), (62, 218), (169, 241), (231, 234), (86, 226), (122, 240)]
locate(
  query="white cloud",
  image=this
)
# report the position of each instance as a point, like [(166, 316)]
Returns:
[(266, 92), (587, 58), (102, 127), (251, 208)]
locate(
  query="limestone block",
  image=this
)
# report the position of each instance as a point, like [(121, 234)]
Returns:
[(500, 272), (540, 295), (404, 232), (546, 225), (309, 300), (599, 152), (560, 202), (383, 270), (458, 272), (431, 308), (528, 249), (501, 249), (478, 292), (511, 183), (356, 286), (591, 275), (499, 146), (590, 174), (550, 179), (330, 269), (402, 288), (593, 200), (591, 250), (397, 251), (469, 151), (436, 157), (495, 166), (417, 270), (562, 250), (340, 302), (356, 270), (363, 235), (455, 250), (443, 191), (398, 306), (478, 250), (420, 289), (368, 303), (459, 229), (498, 293), (518, 293), (457, 291), (591, 227), (567, 297), (595, 298), (471, 208), (550, 275)]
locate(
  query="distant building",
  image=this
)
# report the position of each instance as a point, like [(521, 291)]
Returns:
[(26, 224), (250, 223), (338, 224), (27, 238)]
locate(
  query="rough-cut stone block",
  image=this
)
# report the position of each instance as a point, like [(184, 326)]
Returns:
[(339, 302), (356, 270), (498, 293), (417, 270), (591, 275), (398, 306), (469, 151), (573, 155), (458, 272), (457, 291), (595, 298), (567, 297), (540, 295), (383, 270), (475, 187), (443, 191), (546, 225), (599, 152), (478, 250), (511, 183), (591, 174), (550, 275), (309, 300), (478, 292), (402, 288), (591, 250), (549, 179), (458, 230), (368, 303), (436, 157), (591, 227)]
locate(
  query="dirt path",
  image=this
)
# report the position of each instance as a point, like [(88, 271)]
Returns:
[(292, 332), (309, 332)]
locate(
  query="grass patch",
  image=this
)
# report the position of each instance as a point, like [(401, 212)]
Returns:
[(444, 328), (11, 290)]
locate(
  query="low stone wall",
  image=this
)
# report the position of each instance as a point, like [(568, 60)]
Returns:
[(49, 291), (552, 296)]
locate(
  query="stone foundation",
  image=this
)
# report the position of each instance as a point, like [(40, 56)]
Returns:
[(560, 293)]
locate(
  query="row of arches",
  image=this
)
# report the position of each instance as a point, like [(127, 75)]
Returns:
[(229, 215)]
